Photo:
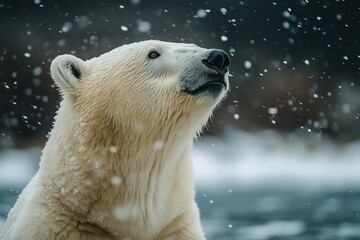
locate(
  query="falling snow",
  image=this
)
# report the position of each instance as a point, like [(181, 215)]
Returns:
[(123, 28), (67, 27), (201, 13), (143, 26), (37, 71), (295, 70), (224, 38), (113, 149), (223, 10), (247, 64), (116, 181), (272, 110)]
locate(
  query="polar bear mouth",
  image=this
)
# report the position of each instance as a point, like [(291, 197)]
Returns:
[(211, 86), (208, 77)]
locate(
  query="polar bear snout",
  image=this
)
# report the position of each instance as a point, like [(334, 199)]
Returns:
[(218, 60), (207, 77)]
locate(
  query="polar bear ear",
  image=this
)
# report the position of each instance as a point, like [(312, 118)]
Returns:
[(67, 71)]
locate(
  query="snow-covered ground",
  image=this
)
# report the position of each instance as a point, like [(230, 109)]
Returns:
[(268, 159), (240, 159), (17, 166)]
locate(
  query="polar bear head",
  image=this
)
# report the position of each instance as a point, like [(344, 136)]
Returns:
[(145, 85)]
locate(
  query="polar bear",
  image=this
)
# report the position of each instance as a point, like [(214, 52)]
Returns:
[(117, 163)]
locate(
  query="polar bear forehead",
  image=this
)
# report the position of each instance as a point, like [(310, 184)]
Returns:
[(138, 49), (160, 46), (147, 45)]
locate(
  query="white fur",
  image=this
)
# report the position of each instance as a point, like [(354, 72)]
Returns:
[(117, 163)]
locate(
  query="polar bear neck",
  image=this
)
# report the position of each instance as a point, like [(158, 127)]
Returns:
[(103, 165)]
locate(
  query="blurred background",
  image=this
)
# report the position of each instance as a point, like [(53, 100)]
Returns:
[(281, 157)]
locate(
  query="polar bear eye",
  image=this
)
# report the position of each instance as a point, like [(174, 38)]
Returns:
[(153, 54)]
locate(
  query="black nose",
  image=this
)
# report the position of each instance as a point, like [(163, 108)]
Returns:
[(218, 60)]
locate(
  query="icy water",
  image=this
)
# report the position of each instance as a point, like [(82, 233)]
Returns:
[(280, 215), (266, 215)]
